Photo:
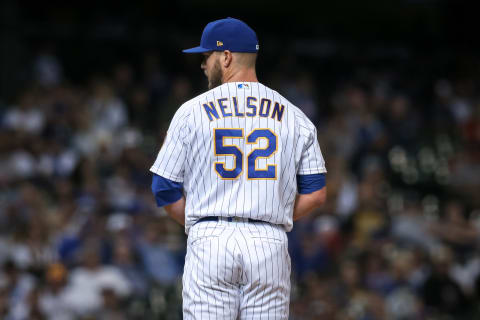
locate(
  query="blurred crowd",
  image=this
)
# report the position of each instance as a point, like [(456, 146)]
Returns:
[(81, 237)]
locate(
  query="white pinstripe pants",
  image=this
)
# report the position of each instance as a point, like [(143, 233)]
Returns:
[(236, 270)]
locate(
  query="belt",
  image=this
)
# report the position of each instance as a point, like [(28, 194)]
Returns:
[(229, 219)]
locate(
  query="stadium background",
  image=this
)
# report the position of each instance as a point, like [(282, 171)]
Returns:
[(87, 91)]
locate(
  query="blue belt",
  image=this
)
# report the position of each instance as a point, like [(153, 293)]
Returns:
[(229, 219)]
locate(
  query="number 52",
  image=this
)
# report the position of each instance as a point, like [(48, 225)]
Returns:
[(253, 172)]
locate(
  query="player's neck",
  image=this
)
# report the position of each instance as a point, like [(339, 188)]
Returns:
[(244, 75)]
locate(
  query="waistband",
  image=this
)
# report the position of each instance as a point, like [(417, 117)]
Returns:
[(228, 219)]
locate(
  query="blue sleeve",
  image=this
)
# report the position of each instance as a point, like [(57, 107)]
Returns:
[(166, 191), (310, 183)]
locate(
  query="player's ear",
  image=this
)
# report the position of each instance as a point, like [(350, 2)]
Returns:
[(227, 58)]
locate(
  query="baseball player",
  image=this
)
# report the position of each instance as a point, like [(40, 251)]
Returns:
[(239, 164)]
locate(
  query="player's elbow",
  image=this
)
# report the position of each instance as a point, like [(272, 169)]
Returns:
[(320, 197)]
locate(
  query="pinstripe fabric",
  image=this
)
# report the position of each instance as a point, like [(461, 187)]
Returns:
[(187, 156), (238, 270)]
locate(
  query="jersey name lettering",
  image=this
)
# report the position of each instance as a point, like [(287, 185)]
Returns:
[(254, 108)]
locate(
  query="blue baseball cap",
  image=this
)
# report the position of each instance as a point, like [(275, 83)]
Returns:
[(227, 34)]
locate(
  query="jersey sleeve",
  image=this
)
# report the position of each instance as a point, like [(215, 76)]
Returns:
[(170, 162), (311, 161), (166, 191), (309, 183)]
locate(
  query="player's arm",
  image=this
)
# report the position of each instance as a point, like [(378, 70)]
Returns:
[(168, 169), (176, 210), (312, 194), (311, 184), (169, 194)]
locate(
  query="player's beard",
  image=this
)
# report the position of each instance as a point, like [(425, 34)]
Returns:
[(216, 76)]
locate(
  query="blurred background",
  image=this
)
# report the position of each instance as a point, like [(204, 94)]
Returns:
[(87, 91)]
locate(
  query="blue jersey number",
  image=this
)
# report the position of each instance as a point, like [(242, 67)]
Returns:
[(271, 171), (222, 149), (253, 172)]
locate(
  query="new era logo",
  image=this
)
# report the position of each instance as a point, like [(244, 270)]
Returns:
[(219, 43)]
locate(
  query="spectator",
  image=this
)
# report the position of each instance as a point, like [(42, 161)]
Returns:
[(159, 259), (440, 292), (86, 282), (53, 300), (19, 285)]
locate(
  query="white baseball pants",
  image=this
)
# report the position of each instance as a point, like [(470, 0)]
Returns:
[(236, 270)]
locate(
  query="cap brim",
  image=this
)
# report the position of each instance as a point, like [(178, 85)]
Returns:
[(196, 50)]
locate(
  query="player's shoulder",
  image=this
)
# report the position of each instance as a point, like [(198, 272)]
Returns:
[(186, 109), (300, 117)]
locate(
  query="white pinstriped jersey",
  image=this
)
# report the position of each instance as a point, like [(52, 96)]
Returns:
[(237, 149)]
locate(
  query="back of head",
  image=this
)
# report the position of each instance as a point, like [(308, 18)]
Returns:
[(245, 60)]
